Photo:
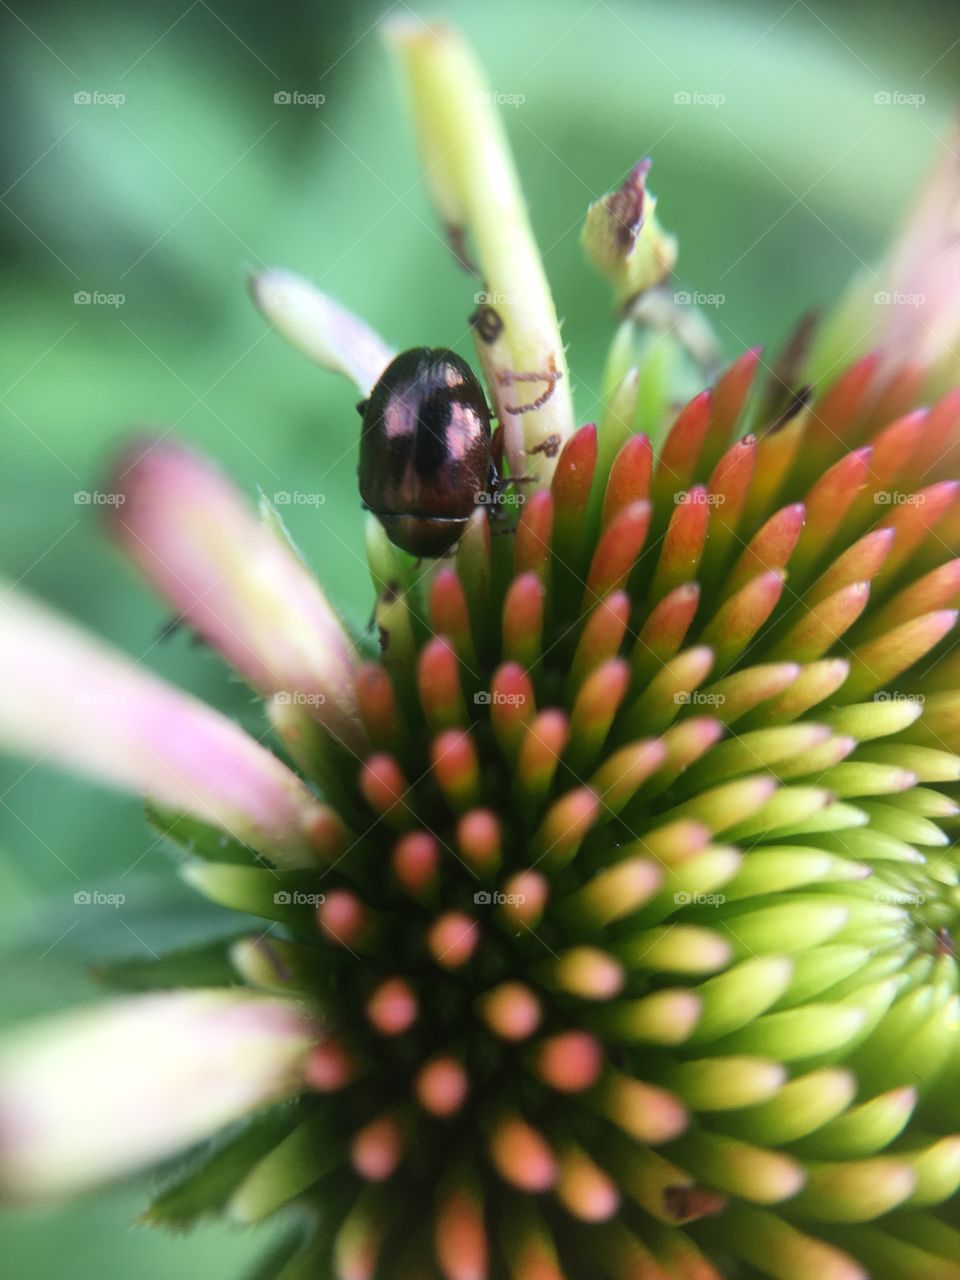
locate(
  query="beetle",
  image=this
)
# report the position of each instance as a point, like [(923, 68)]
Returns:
[(427, 454)]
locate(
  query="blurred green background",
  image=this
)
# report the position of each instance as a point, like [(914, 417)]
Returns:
[(169, 198)]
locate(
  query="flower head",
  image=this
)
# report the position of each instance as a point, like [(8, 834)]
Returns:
[(610, 905)]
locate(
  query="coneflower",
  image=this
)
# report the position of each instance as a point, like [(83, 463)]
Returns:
[(611, 888)]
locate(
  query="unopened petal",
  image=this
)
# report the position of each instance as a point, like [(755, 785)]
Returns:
[(235, 580), (67, 698), (92, 1094), (324, 331)]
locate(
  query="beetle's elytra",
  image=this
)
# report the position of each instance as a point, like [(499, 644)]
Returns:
[(426, 453)]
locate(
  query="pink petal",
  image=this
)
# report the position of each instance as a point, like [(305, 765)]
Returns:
[(68, 697), (235, 580), (91, 1094)]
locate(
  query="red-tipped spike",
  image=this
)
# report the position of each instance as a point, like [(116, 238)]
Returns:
[(683, 543), (543, 745), (461, 1238), (593, 711), (739, 619), (525, 896), (377, 1149), (727, 490), (629, 479), (521, 1155), (827, 503), (479, 841), (730, 393), (572, 481), (343, 919), (859, 563), (534, 535), (512, 706), (449, 615), (378, 705), (566, 824), (523, 621), (511, 1011), (601, 637), (386, 790), (588, 1193), (454, 764), (586, 972), (453, 938), (415, 860), (329, 1067), (441, 1086), (392, 1009), (569, 1062), (664, 631), (438, 679), (816, 630), (616, 552), (769, 548), (680, 452)]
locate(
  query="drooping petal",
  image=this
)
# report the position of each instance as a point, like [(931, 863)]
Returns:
[(69, 698), (235, 580), (92, 1094)]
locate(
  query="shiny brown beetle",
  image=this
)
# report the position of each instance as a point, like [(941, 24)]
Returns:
[(427, 455)]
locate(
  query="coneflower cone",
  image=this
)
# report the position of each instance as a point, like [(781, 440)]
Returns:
[(634, 950)]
